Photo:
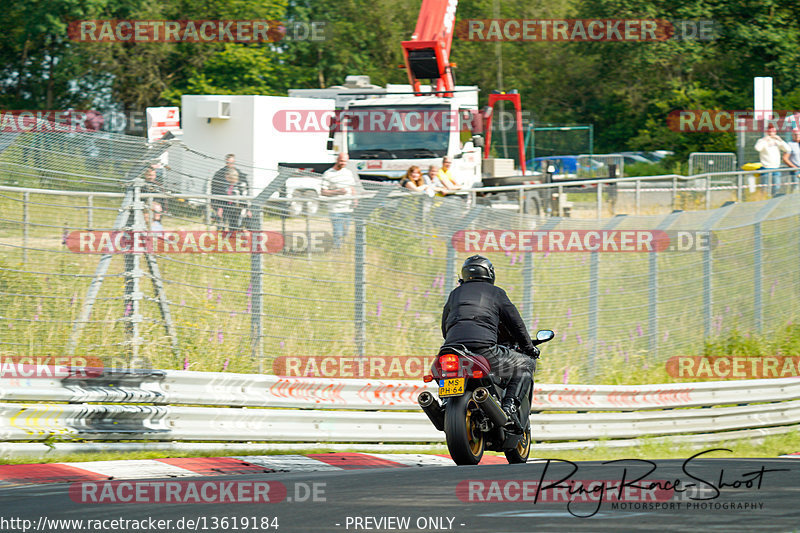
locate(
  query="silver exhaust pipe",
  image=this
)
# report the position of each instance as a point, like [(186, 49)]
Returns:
[(432, 408), (489, 405)]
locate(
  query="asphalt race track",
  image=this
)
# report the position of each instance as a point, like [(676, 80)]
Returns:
[(713, 495)]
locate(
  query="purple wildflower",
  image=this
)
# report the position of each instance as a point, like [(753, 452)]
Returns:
[(378, 308), (186, 363), (225, 365), (639, 331), (566, 375)]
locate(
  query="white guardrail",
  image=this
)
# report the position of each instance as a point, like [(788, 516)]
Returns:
[(159, 405)]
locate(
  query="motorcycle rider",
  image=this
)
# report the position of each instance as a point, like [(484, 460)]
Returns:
[(478, 315)]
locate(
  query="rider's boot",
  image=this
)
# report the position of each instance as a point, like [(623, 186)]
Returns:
[(514, 391)]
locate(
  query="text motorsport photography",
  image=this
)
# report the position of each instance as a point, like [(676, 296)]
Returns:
[(634, 485)]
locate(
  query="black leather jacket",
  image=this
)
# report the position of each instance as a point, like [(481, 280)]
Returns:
[(479, 315)]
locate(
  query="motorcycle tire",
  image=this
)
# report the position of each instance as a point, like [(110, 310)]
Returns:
[(522, 451), (465, 441)]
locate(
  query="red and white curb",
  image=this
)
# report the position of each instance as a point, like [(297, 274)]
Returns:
[(181, 467), (795, 455)]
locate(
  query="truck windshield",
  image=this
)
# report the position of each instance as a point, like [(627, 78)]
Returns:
[(400, 132)]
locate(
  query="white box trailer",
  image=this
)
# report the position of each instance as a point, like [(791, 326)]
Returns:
[(243, 125)]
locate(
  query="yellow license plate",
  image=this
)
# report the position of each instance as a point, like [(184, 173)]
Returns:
[(452, 387)]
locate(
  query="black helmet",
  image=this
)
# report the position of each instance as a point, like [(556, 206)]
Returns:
[(477, 267)]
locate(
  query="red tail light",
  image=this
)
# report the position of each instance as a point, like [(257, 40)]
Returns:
[(427, 378), (477, 374), (449, 362)]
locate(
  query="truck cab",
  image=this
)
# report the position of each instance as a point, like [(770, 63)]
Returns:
[(384, 136)]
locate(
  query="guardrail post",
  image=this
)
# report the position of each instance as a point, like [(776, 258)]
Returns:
[(521, 200), (561, 201), (594, 298), (89, 212), (708, 269), (26, 198)]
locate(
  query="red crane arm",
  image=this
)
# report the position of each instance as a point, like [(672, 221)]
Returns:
[(427, 54)]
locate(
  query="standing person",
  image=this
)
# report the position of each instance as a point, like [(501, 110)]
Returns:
[(152, 185), (478, 315), (233, 212), (792, 157), (769, 148), (219, 185), (339, 181)]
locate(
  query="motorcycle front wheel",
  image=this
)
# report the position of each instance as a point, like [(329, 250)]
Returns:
[(465, 441)]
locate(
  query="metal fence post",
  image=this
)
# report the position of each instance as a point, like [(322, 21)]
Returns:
[(363, 209), (256, 293), (638, 195), (674, 192), (758, 265), (360, 284), (89, 212), (653, 287), (708, 269), (133, 275), (594, 298), (739, 183), (599, 200), (708, 193), (26, 197), (528, 287)]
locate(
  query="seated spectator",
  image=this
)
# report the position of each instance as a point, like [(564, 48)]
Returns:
[(415, 181), (445, 176)]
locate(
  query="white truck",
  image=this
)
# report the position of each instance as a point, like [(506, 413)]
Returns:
[(248, 126), (386, 130)]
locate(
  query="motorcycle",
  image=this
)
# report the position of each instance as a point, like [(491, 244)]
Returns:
[(470, 414)]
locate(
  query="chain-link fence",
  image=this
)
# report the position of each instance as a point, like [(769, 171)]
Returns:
[(618, 315)]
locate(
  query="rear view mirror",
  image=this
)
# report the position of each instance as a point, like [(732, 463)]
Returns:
[(544, 335)]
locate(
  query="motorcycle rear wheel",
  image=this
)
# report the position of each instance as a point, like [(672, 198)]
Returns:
[(522, 451), (465, 441)]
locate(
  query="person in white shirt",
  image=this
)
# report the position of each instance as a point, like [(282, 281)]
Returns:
[(769, 148), (339, 181), (792, 157)]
